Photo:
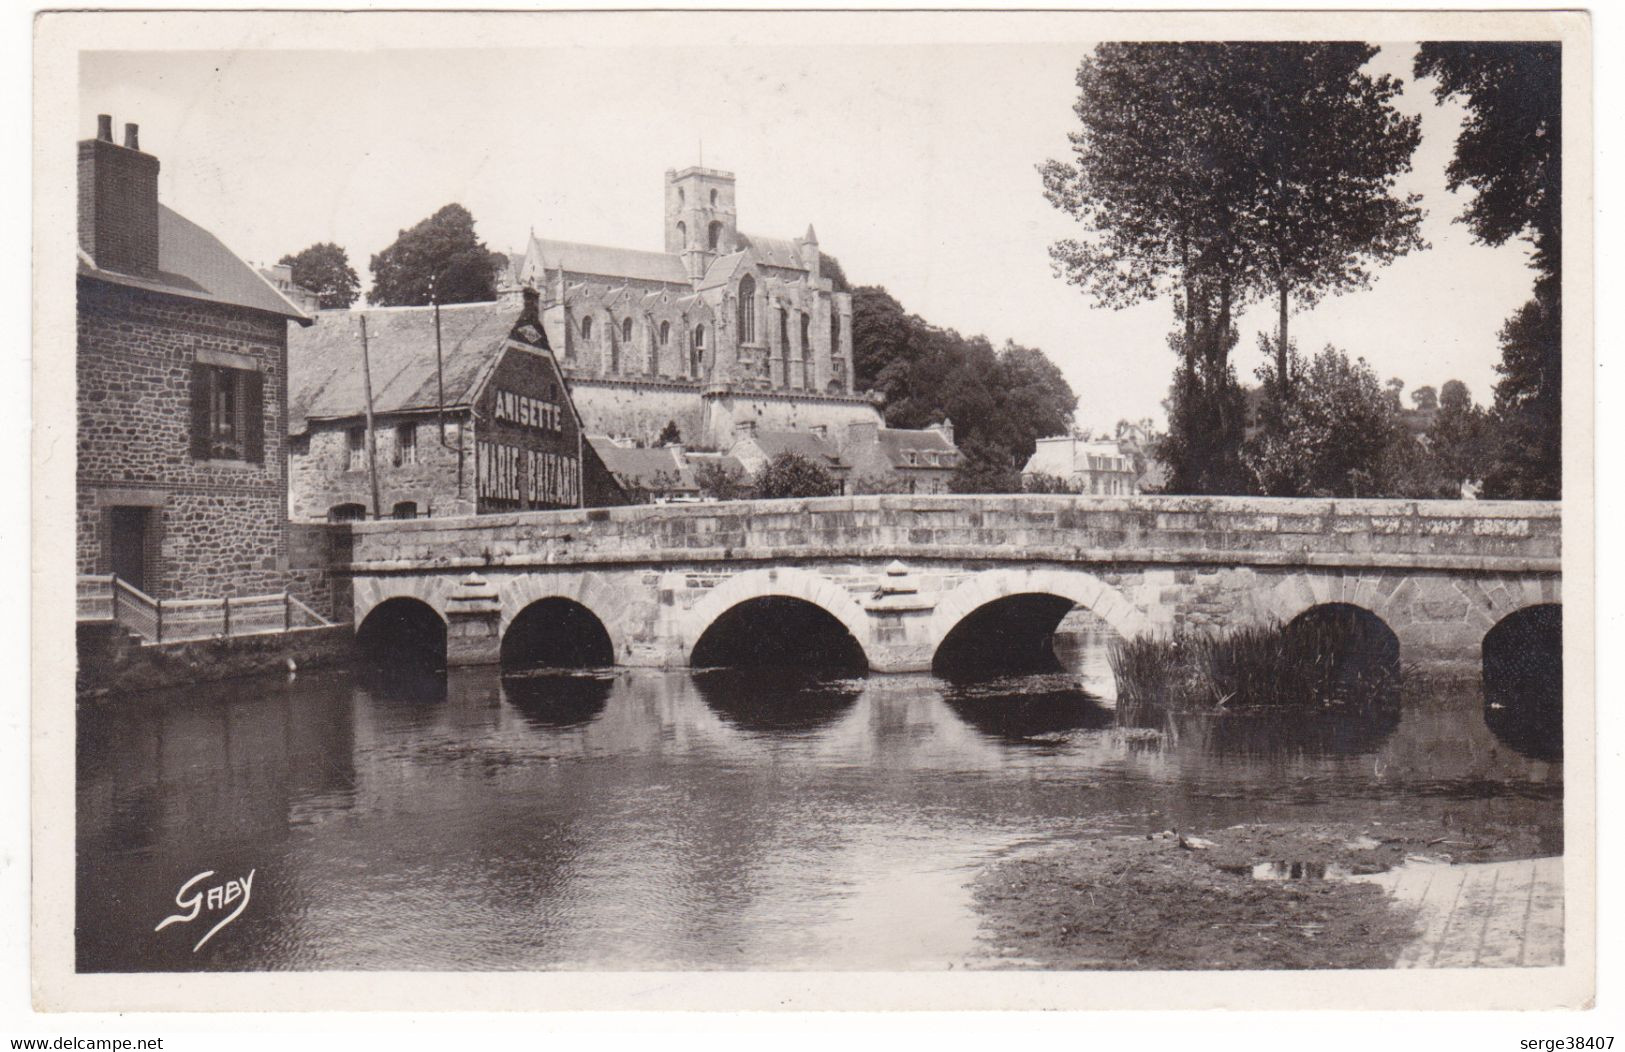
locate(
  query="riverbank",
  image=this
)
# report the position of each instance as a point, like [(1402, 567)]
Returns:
[(1248, 897)]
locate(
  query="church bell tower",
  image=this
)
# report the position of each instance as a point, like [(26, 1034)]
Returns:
[(701, 223)]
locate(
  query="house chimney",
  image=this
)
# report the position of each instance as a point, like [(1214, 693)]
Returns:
[(132, 137), (947, 429), (118, 201)]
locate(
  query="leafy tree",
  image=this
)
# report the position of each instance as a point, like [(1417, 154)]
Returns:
[(1222, 171), (984, 470), (719, 481), (1330, 436), (1042, 482), (669, 435), (1001, 400), (440, 256), (1459, 439), (1396, 388), (830, 267), (325, 269), (793, 475), (869, 485), (1509, 152), (1425, 398)]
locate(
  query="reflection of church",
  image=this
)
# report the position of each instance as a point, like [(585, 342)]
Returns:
[(721, 329)]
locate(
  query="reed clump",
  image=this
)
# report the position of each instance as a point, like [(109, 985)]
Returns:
[(1329, 663)]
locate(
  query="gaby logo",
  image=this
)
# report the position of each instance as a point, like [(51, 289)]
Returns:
[(216, 898)]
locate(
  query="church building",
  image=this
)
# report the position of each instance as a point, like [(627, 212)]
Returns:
[(722, 328)]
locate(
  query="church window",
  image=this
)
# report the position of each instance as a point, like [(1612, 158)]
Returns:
[(834, 333), (784, 332), (697, 355), (714, 237), (626, 330), (586, 328), (747, 309), (682, 234), (806, 336), (713, 198), (665, 332)]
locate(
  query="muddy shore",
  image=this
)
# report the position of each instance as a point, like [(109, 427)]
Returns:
[(1246, 897)]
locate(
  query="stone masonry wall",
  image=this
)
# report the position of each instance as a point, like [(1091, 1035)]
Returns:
[(219, 524), (321, 475)]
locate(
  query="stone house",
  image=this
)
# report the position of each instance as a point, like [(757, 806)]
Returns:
[(662, 472), (720, 327), (900, 460), (754, 448), (470, 415), (1086, 465), (182, 392)]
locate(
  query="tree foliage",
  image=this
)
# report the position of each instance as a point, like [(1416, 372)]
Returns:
[(324, 268), (1001, 401), (793, 475), (1330, 436), (1218, 172), (1425, 398), (440, 256), (1459, 439), (721, 481), (1510, 154)]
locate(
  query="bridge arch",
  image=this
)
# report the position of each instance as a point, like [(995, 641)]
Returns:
[(590, 590), (403, 632), (1080, 588), (777, 583), (1022, 607), (430, 589)]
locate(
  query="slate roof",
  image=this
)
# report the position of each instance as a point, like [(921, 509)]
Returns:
[(802, 443), (604, 261), (896, 442), (772, 251), (722, 269), (324, 361), (194, 264), (641, 466)]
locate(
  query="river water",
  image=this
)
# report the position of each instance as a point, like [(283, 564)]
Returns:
[(642, 819)]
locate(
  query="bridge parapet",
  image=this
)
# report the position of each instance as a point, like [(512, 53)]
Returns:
[(1396, 535)]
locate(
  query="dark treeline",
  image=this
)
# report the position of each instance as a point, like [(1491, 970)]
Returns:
[(1001, 400)]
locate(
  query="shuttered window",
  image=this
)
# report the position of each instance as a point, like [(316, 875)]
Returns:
[(228, 414)]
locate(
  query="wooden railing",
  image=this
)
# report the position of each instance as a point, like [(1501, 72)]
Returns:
[(107, 597)]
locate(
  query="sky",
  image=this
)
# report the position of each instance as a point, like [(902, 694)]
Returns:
[(916, 163)]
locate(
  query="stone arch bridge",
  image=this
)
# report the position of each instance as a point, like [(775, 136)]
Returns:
[(901, 573)]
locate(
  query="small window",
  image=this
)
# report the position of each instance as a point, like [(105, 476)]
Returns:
[(586, 327), (626, 330), (665, 332), (834, 333), (406, 509), (806, 337), (697, 355), (784, 332), (681, 198), (406, 444), (347, 513), (355, 448), (714, 237), (682, 233), (228, 414), (713, 198)]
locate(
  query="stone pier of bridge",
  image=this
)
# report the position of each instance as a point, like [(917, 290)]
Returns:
[(901, 573)]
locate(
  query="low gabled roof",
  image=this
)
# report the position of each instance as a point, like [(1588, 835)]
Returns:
[(653, 469), (604, 261), (801, 443), (194, 264), (324, 361), (722, 270)]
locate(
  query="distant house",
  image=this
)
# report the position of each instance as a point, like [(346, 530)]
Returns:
[(470, 415), (754, 449), (181, 372), (901, 459), (663, 473), (1097, 466), (281, 278)]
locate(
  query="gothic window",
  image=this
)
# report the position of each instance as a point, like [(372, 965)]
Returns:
[(806, 337), (586, 327), (784, 332), (714, 236), (713, 198), (834, 332), (747, 309), (665, 332), (682, 233), (697, 352), (626, 330)]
